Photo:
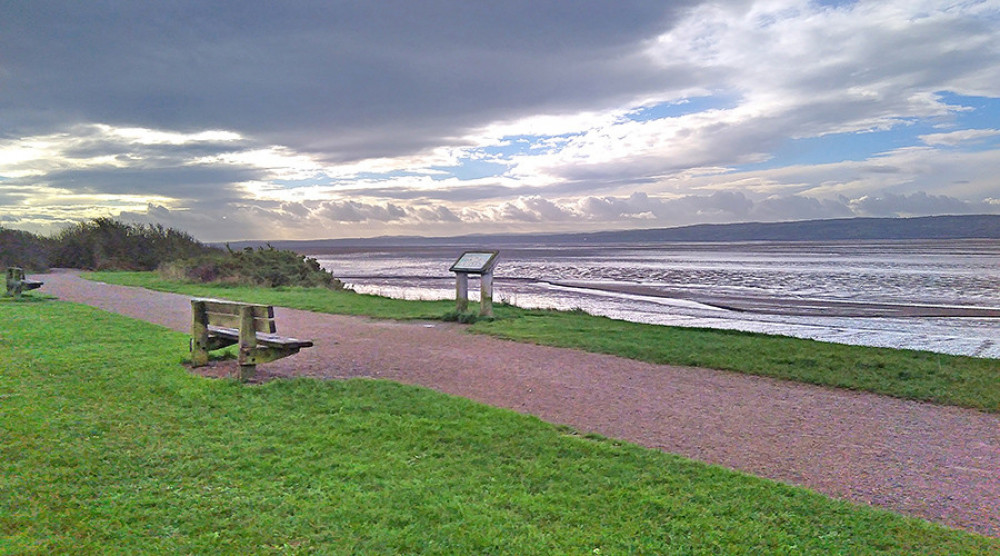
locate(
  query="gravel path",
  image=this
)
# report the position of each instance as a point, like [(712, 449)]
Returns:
[(939, 463)]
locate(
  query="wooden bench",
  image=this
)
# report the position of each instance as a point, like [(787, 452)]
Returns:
[(217, 324), (17, 283)]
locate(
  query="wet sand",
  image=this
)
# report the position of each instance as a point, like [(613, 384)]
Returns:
[(789, 306)]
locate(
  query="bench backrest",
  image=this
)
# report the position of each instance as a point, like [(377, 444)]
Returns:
[(15, 273), (227, 313)]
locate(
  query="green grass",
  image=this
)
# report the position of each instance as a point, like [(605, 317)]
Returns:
[(917, 375), (110, 447), (321, 300)]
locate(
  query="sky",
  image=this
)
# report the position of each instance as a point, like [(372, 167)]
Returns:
[(330, 119)]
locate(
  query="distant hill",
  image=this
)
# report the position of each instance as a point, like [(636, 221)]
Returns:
[(929, 227), (843, 229)]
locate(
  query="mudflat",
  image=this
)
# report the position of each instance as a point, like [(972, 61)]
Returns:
[(799, 307)]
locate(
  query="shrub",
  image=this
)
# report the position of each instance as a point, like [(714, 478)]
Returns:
[(24, 249), (267, 267), (107, 244)]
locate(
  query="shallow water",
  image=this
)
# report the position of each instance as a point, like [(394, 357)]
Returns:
[(889, 293)]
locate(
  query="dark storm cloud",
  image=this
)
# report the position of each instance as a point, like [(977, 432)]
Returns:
[(11, 192), (160, 155), (351, 79), (206, 184)]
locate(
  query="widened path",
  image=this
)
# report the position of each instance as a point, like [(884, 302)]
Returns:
[(936, 462)]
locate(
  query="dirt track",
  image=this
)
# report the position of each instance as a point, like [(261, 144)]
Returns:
[(939, 463)]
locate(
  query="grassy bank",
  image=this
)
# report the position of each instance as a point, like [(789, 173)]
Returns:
[(917, 375), (110, 446)]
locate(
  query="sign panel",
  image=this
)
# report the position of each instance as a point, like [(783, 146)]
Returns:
[(475, 262)]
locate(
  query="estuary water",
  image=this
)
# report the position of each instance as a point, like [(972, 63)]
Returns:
[(941, 296)]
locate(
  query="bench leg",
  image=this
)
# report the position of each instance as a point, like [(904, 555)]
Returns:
[(199, 334), (248, 344), (15, 277)]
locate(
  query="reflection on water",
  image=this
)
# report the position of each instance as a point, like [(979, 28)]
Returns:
[(674, 284)]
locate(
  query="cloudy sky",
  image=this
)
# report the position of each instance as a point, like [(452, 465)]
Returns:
[(277, 120)]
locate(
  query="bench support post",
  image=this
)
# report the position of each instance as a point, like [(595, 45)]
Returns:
[(199, 334), (14, 277), (248, 344)]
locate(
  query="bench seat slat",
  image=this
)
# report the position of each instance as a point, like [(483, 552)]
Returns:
[(265, 338)]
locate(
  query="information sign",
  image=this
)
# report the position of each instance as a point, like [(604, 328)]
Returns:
[(475, 262)]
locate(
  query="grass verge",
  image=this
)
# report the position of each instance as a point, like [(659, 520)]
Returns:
[(918, 375), (110, 446), (322, 300)]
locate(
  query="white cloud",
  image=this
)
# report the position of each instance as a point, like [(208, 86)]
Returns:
[(143, 136), (798, 70), (355, 211), (954, 138), (917, 204)]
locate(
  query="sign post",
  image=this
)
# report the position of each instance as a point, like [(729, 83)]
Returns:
[(475, 262), (462, 291)]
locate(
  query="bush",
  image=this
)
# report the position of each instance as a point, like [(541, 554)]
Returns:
[(24, 249), (107, 244), (266, 267)]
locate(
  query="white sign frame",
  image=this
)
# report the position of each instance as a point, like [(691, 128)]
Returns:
[(475, 262)]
